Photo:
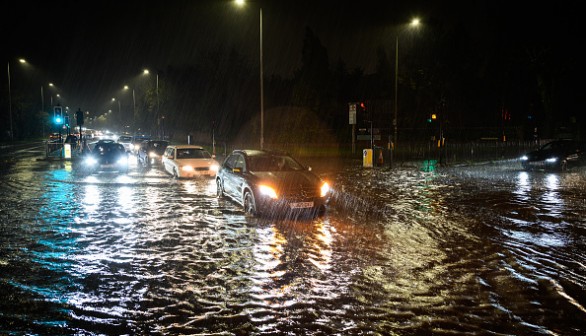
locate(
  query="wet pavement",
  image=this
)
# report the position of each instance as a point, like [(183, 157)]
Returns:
[(470, 250)]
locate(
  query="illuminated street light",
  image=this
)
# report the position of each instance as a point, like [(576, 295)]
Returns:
[(126, 87), (10, 99), (241, 3), (146, 72), (414, 23)]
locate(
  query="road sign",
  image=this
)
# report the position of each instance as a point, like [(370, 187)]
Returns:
[(352, 113)]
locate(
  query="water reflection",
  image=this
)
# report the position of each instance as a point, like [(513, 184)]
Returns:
[(542, 221), (477, 251)]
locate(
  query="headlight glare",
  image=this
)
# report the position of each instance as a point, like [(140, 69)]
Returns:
[(122, 161), (90, 161), (267, 191), (325, 189)]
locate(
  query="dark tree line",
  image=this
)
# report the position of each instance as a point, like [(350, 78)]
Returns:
[(478, 86)]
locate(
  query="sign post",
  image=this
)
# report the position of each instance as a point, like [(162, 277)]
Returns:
[(352, 121)]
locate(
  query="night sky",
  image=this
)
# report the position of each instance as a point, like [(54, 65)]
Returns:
[(91, 48)]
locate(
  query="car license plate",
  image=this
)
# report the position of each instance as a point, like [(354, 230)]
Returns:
[(301, 205)]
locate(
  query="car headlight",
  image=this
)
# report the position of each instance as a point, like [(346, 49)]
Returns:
[(187, 168), (122, 161), (153, 155), (267, 191), (551, 160), (524, 158), (90, 161), (136, 147), (324, 189), (214, 167)]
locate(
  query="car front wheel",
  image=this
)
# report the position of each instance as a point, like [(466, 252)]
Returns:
[(249, 204)]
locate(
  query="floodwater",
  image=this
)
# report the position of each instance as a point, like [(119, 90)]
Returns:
[(476, 250)]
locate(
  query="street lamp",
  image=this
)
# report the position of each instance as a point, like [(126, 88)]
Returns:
[(146, 72), (413, 23), (262, 140), (22, 60), (133, 104), (119, 109)]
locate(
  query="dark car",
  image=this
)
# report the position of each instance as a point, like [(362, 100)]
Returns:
[(137, 140), (150, 152), (557, 155), (126, 141), (106, 155), (54, 137), (271, 183)]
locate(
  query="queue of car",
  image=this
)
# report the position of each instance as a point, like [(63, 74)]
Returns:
[(262, 182), (265, 182)]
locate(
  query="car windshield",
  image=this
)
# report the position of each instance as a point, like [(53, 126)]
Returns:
[(192, 153), (105, 148), (557, 145), (273, 163), (158, 146)]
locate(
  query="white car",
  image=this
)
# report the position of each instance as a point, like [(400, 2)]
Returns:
[(126, 141), (189, 161)]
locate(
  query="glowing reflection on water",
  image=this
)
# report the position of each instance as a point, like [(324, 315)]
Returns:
[(398, 252)]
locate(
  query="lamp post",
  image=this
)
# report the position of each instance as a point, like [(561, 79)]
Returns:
[(413, 23), (126, 87), (159, 127), (157, 116), (10, 104), (119, 108), (262, 126)]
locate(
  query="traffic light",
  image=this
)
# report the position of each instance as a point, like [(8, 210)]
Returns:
[(363, 113), (79, 117), (58, 115), (432, 118)]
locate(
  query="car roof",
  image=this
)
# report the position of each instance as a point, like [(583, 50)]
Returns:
[(259, 152), (186, 146)]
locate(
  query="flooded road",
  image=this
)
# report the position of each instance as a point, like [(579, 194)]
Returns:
[(478, 250)]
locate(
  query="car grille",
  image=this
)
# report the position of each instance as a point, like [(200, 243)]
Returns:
[(202, 168), (300, 194)]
